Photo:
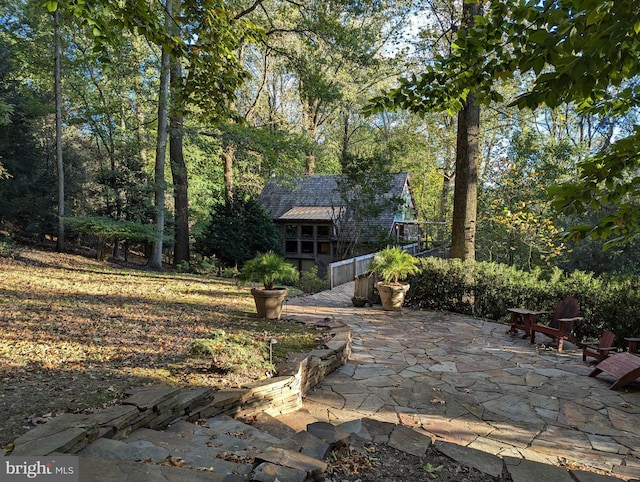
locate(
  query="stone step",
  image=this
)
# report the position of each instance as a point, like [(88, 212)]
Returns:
[(273, 426), (104, 470), (221, 430), (226, 454), (297, 420), (221, 445), (156, 447), (268, 449)]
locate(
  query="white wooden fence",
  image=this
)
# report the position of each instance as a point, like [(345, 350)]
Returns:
[(341, 272)]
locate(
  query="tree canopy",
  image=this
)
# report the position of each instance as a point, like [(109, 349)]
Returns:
[(584, 52), (277, 88)]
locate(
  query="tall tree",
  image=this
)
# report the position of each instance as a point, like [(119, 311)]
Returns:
[(417, 95), (203, 36), (155, 260), (179, 175), (58, 96), (465, 199)]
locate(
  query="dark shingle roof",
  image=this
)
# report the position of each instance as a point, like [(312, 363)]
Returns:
[(279, 198)]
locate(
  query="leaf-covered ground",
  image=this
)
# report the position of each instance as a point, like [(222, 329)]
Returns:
[(75, 333)]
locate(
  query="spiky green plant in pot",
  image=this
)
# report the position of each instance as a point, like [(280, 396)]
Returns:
[(393, 265), (268, 269)]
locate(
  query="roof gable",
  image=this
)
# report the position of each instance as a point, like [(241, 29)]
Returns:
[(287, 201)]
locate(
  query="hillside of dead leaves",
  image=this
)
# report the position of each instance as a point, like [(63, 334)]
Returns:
[(76, 333)]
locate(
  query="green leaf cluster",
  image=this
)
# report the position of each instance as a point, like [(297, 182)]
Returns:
[(268, 268), (311, 283), (612, 174), (112, 228), (204, 36), (394, 264), (238, 230)]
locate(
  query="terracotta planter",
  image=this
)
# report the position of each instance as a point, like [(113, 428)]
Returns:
[(392, 295), (269, 302)]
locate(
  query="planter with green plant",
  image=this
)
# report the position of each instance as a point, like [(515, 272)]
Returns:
[(392, 266), (268, 269)]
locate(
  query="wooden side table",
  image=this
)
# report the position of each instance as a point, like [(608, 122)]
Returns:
[(633, 344), (523, 319)]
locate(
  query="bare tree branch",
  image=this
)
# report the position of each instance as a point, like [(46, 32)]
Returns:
[(255, 5)]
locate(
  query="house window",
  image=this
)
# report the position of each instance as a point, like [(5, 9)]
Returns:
[(306, 231), (324, 247), (291, 231), (291, 246), (307, 240), (324, 231)]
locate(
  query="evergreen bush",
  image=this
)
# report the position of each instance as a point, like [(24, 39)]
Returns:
[(442, 285), (238, 230), (7, 247)]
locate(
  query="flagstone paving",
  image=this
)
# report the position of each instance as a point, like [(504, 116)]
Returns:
[(466, 381)]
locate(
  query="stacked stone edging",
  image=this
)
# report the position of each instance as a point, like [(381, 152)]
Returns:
[(158, 407)]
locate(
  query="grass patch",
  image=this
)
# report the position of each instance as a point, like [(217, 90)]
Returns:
[(234, 352), (75, 333)]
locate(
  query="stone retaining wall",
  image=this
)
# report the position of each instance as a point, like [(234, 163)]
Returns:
[(157, 407)]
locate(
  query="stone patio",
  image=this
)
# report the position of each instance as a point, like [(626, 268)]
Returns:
[(466, 381)]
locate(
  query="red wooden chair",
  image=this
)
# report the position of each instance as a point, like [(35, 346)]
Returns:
[(600, 351), (563, 321), (624, 367)]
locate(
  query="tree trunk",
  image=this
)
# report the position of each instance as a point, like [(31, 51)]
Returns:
[(345, 135), (59, 159), (447, 178), (311, 163), (465, 197), (229, 154), (180, 181), (465, 194), (310, 122), (155, 260)]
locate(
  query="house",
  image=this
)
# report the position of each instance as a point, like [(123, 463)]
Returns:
[(323, 218)]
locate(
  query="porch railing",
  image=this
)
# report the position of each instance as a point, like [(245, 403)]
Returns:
[(341, 272)]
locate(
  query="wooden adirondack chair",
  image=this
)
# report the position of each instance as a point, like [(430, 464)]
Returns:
[(563, 321), (600, 351), (624, 367)]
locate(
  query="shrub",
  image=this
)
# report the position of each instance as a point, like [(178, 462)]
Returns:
[(238, 230), (311, 283), (498, 287), (203, 265), (617, 308), (441, 285), (229, 273), (7, 247)]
